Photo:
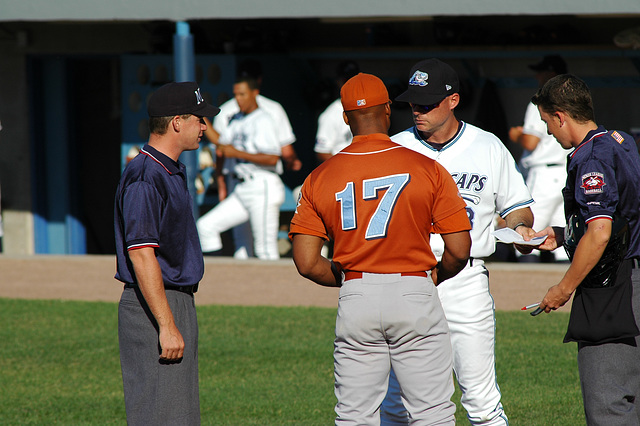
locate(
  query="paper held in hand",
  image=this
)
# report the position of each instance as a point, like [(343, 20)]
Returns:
[(508, 236)]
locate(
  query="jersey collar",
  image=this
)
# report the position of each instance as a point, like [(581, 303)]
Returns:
[(167, 163), (447, 144), (589, 138)]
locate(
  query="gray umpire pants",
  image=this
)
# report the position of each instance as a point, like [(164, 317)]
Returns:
[(610, 376), (155, 392)]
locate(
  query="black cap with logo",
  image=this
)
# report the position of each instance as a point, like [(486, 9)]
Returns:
[(179, 99), (430, 81)]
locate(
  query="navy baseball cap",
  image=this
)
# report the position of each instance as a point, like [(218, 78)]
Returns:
[(550, 63), (179, 99), (430, 81)]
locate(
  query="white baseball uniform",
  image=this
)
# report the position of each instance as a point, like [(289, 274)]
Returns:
[(242, 235), (279, 118), (547, 175), (489, 182), (333, 133), (258, 192)]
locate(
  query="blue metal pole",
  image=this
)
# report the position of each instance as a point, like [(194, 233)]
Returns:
[(184, 70)]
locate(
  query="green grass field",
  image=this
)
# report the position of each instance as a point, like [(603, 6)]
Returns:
[(258, 366)]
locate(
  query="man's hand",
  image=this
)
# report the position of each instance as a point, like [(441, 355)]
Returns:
[(555, 298), (521, 221), (555, 238), (515, 133), (527, 234), (290, 158), (294, 165), (171, 343)]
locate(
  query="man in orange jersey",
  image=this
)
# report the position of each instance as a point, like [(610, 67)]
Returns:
[(379, 202)]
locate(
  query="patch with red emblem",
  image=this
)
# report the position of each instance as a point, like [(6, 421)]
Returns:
[(592, 183)]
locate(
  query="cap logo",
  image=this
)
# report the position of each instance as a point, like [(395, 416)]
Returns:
[(419, 78), (361, 102), (448, 87), (199, 98)]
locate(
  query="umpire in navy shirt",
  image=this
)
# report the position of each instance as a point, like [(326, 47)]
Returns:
[(160, 262), (602, 206)]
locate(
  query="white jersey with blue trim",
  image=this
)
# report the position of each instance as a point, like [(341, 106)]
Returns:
[(487, 178), (254, 133), (279, 118), (274, 109)]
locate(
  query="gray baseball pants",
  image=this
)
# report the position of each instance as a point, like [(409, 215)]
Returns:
[(389, 320), (158, 393), (610, 376)]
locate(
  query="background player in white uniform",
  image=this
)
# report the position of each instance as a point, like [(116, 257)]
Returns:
[(285, 136), (545, 160), (489, 181), (333, 133), (251, 147)]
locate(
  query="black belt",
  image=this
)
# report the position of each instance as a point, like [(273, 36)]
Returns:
[(241, 178), (189, 289), (554, 164)]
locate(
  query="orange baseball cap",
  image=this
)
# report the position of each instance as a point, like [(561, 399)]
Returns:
[(363, 91)]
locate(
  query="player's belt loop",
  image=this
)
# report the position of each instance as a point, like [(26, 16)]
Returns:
[(636, 263), (356, 275), (471, 262)]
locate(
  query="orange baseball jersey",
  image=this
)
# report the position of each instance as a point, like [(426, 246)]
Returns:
[(380, 202)]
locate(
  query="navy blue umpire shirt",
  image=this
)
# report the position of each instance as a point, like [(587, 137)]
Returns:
[(603, 177), (153, 208)]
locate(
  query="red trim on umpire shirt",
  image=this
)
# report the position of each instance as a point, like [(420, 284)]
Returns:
[(586, 142), (591, 219), (143, 245), (154, 159)]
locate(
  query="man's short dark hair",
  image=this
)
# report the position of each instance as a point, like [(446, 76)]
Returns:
[(566, 93), (159, 125), (251, 81)]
